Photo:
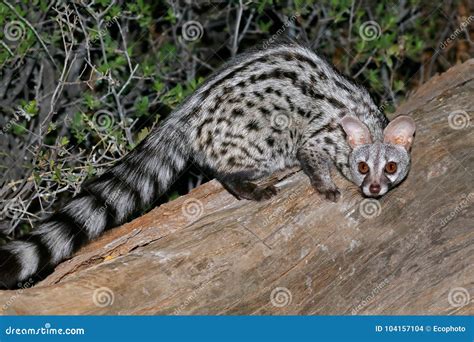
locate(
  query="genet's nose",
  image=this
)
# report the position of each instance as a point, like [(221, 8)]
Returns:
[(374, 188)]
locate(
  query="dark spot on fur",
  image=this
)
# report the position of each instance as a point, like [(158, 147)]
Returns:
[(291, 75), (208, 141), (258, 148), (234, 136), (259, 95), (322, 76), (290, 103), (253, 126), (270, 141), (202, 125), (264, 111), (277, 107), (241, 84), (336, 103), (229, 143), (342, 86), (222, 119), (236, 112)]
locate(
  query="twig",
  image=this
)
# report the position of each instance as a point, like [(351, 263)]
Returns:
[(7, 48), (361, 70), (128, 80), (247, 25), (351, 18), (237, 26), (124, 41)]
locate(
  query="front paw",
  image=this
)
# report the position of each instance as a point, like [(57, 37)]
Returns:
[(331, 193), (262, 194)]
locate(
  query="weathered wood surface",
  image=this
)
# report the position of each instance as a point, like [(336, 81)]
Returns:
[(207, 253)]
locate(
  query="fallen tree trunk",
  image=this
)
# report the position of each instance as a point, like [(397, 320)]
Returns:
[(207, 253)]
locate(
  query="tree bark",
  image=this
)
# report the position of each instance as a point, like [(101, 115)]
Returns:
[(207, 253)]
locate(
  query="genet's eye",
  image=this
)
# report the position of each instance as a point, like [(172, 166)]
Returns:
[(363, 168), (391, 167)]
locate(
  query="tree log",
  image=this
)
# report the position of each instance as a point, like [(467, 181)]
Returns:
[(207, 253)]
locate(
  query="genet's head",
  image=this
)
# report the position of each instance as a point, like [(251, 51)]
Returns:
[(378, 166)]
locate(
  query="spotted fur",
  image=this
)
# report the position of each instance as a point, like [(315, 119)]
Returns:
[(264, 111)]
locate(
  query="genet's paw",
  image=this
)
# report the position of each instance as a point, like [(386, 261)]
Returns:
[(261, 194), (331, 193), (252, 192)]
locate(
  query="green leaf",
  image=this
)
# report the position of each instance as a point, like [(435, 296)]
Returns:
[(19, 128), (174, 195), (158, 86), (174, 96), (398, 85), (141, 106), (91, 101), (170, 16), (52, 127), (142, 134), (265, 26), (31, 108), (64, 141)]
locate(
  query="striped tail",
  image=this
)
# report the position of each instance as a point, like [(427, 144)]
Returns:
[(108, 201)]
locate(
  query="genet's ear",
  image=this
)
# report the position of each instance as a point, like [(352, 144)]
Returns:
[(400, 131), (357, 132)]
